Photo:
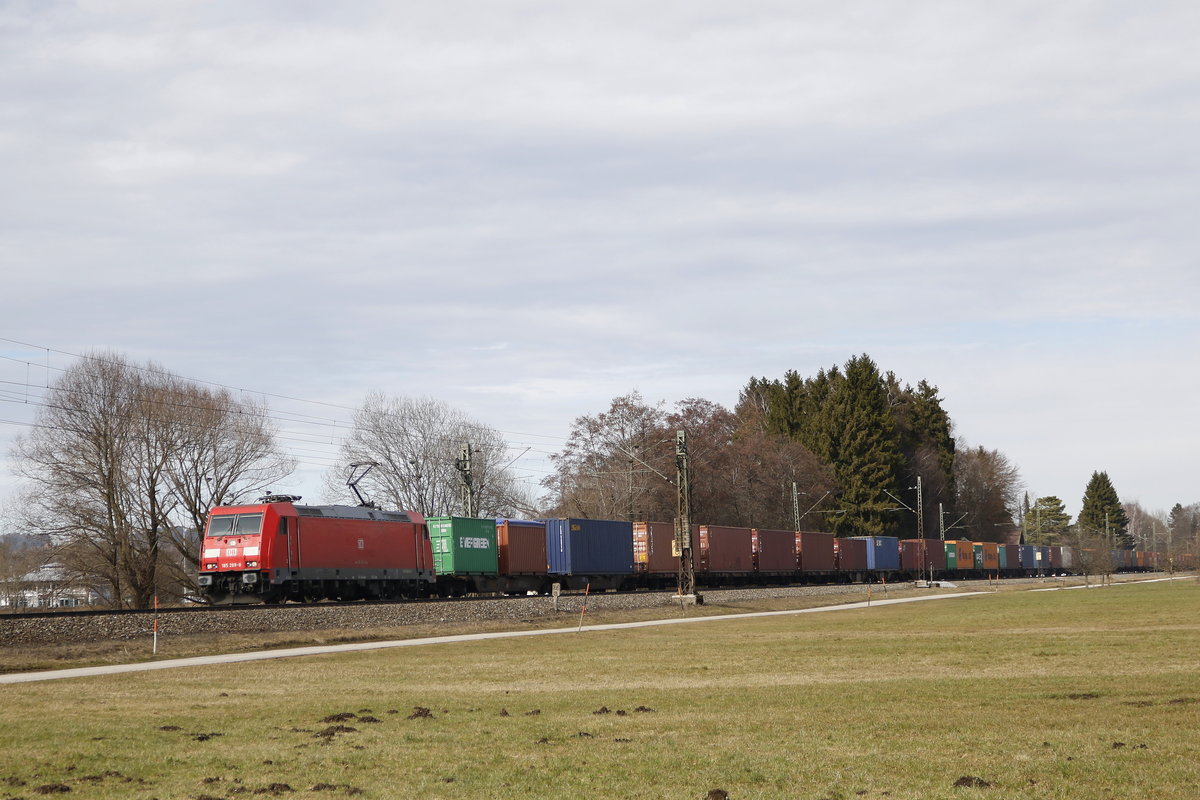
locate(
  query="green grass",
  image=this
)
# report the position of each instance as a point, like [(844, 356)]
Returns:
[(1028, 691)]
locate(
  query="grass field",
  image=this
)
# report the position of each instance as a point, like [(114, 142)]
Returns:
[(1070, 694)]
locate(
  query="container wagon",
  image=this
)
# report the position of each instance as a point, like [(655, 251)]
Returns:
[(589, 552), (726, 554)]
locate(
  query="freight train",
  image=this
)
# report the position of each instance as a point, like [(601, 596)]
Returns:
[(278, 550)]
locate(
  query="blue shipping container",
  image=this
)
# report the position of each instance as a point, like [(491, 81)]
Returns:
[(883, 552), (1028, 557), (589, 547)]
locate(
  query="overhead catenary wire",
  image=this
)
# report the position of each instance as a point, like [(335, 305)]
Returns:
[(168, 373), (339, 429)]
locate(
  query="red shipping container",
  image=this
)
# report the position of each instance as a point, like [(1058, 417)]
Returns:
[(851, 554), (726, 550), (775, 550), (521, 547), (919, 555), (653, 547), (814, 551)]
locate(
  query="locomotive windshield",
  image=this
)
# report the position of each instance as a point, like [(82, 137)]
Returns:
[(235, 525)]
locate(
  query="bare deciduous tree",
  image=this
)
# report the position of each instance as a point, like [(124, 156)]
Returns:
[(988, 487), (223, 456), (109, 462), (617, 464), (620, 464), (1092, 553), (416, 442)]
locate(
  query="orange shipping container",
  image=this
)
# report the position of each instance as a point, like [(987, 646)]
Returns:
[(991, 556)]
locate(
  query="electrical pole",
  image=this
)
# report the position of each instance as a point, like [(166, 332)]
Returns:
[(796, 506), (683, 519), (920, 511), (463, 465), (631, 487), (941, 522)]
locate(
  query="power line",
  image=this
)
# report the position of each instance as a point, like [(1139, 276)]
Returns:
[(167, 373)]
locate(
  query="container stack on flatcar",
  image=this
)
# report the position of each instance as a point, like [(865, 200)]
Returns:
[(922, 558), (851, 558), (883, 553), (726, 554), (465, 555), (521, 556), (590, 552), (774, 552), (816, 559), (655, 560)]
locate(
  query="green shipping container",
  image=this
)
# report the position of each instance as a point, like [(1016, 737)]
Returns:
[(463, 545)]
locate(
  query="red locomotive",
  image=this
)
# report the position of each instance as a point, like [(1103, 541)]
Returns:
[(278, 550)]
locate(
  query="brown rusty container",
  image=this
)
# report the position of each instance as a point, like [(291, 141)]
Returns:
[(814, 551), (1010, 557), (851, 554), (774, 551), (521, 547), (726, 550), (653, 551), (920, 555)]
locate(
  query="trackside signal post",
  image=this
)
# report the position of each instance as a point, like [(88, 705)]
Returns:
[(463, 465), (683, 519)]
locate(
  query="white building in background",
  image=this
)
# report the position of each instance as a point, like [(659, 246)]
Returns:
[(48, 587)]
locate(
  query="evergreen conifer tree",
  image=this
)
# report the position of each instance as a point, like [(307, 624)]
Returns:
[(1046, 521), (1102, 512), (866, 455), (877, 435)]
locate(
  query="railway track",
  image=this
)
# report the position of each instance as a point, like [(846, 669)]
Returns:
[(201, 608), (77, 627)]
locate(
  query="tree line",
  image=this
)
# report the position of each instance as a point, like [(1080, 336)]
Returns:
[(844, 451), (125, 460)]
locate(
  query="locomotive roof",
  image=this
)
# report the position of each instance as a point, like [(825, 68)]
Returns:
[(352, 512)]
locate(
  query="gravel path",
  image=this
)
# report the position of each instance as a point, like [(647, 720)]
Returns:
[(231, 658)]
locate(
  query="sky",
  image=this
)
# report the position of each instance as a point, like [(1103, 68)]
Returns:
[(526, 209)]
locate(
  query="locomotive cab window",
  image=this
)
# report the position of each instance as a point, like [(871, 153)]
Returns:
[(221, 526), (235, 525), (249, 524)]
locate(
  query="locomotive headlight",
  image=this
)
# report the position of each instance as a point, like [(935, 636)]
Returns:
[(210, 566), (251, 563)]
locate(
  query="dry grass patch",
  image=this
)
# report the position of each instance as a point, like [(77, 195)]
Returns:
[(1055, 695)]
